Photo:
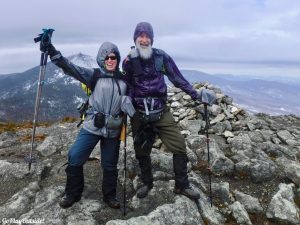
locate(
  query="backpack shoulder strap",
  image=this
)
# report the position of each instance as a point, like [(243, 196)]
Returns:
[(159, 59), (136, 65), (86, 89), (118, 85), (96, 76)]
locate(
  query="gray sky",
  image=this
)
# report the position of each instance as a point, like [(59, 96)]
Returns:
[(254, 37)]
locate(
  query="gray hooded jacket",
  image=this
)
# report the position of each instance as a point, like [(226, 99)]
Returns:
[(108, 95)]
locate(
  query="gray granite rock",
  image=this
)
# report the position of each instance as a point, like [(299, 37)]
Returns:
[(20, 202), (282, 207), (290, 168), (251, 204), (240, 214), (183, 211), (221, 191)]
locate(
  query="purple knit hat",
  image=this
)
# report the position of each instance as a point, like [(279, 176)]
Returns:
[(143, 27)]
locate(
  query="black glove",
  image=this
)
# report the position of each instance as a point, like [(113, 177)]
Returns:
[(50, 48), (52, 51), (137, 116)]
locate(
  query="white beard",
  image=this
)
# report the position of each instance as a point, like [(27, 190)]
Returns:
[(145, 52)]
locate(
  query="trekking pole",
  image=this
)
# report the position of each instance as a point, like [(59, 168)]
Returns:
[(125, 166), (45, 39), (208, 156)]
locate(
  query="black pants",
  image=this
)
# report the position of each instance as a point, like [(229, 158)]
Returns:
[(168, 132)]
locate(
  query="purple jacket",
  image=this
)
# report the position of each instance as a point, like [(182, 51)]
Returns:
[(151, 84)]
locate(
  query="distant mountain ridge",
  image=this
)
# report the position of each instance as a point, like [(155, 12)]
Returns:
[(256, 95), (62, 93)]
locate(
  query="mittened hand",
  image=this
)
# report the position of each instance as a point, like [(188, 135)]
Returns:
[(206, 96), (136, 116), (52, 51), (50, 48), (44, 39), (43, 47), (139, 117)]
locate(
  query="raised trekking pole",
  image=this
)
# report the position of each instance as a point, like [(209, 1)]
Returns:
[(45, 40), (124, 139), (208, 156)]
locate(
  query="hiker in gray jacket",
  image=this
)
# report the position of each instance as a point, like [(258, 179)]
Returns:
[(103, 122)]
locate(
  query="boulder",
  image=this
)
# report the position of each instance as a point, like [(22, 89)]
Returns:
[(282, 208), (251, 204), (240, 214)]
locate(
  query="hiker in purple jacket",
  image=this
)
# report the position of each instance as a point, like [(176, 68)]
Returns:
[(144, 69)]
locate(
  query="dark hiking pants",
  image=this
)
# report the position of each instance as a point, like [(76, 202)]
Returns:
[(80, 152), (171, 137), (168, 132)]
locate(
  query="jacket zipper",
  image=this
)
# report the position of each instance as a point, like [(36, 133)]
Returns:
[(112, 96)]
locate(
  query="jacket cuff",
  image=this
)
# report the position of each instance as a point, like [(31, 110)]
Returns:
[(57, 56)]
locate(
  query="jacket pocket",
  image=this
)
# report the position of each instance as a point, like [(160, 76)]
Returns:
[(99, 120)]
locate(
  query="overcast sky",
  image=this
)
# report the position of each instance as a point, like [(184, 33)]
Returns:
[(254, 37)]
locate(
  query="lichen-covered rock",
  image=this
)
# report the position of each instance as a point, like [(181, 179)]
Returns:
[(240, 214), (20, 202), (183, 211), (290, 168), (282, 207), (251, 204)]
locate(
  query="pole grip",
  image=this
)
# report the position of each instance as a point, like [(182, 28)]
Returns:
[(45, 58), (42, 59)]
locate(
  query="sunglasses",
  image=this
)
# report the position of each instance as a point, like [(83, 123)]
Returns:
[(111, 57)]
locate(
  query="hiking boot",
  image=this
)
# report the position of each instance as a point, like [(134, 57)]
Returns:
[(68, 201), (188, 192), (112, 203), (142, 192)]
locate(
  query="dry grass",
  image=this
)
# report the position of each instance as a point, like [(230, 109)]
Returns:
[(38, 137), (69, 119), (131, 175), (243, 175), (200, 166), (259, 219), (13, 127)]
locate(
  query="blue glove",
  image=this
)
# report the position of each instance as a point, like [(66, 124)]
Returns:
[(206, 96), (44, 39)]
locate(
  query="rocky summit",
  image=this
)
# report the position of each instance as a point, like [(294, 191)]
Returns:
[(254, 164)]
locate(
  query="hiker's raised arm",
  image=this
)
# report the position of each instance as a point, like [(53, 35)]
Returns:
[(84, 75)]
